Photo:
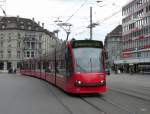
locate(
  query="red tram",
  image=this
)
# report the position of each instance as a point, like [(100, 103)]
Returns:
[(77, 66)]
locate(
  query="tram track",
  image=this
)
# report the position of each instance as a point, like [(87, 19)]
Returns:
[(98, 98), (65, 106), (82, 99), (94, 106), (138, 87), (144, 88), (107, 103), (131, 93), (118, 105), (101, 111)]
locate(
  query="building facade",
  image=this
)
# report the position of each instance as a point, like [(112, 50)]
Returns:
[(21, 39), (135, 35), (113, 45)]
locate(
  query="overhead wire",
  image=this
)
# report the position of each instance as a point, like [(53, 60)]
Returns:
[(105, 19), (79, 33), (76, 11)]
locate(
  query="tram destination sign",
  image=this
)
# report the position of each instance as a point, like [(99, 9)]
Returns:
[(87, 43)]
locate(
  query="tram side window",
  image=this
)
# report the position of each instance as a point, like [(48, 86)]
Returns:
[(30, 65), (24, 65), (39, 65), (33, 66), (48, 67), (52, 66), (69, 69), (27, 65), (60, 66), (44, 65), (63, 66)]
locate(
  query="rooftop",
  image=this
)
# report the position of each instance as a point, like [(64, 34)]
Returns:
[(11, 23), (116, 32)]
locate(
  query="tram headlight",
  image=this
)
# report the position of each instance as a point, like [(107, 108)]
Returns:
[(78, 82), (102, 82)]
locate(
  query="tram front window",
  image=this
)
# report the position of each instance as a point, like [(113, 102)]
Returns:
[(88, 59)]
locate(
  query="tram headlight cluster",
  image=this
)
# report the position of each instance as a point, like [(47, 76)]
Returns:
[(81, 84)]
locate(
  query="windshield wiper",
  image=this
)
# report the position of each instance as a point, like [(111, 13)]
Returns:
[(91, 64), (80, 67)]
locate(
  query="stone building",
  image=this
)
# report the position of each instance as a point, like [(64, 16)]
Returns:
[(113, 45), (21, 39)]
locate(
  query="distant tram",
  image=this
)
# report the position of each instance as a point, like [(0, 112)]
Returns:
[(77, 66)]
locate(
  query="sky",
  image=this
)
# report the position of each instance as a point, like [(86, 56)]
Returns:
[(48, 11)]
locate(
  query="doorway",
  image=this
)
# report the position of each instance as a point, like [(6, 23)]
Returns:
[(1, 65)]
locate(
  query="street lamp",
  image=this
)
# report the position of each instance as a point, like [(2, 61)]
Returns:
[(3, 11), (92, 25), (66, 27)]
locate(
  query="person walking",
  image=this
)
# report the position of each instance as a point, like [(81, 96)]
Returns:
[(15, 70)]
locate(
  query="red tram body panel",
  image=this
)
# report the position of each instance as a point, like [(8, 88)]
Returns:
[(76, 67)]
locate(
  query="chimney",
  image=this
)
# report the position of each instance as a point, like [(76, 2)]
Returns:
[(43, 25), (17, 17), (33, 19)]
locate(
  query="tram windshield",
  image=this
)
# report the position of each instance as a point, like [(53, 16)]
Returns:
[(88, 59)]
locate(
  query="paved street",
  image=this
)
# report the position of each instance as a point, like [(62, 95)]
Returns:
[(127, 94)]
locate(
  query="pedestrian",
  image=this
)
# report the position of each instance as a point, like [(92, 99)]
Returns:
[(131, 70), (15, 70), (10, 70)]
